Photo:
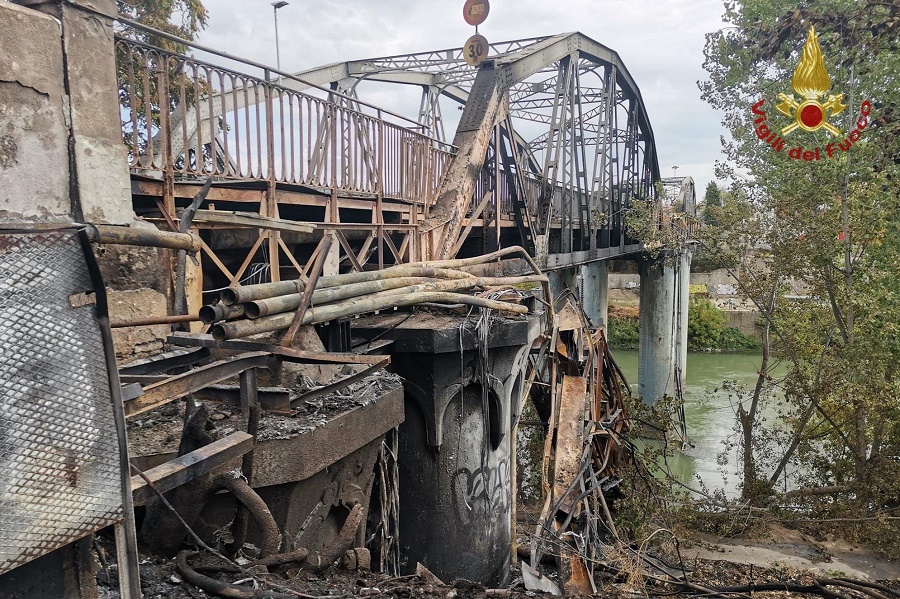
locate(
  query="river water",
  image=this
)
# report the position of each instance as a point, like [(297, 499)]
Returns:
[(709, 413)]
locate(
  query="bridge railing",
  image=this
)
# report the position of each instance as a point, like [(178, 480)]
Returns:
[(191, 119)]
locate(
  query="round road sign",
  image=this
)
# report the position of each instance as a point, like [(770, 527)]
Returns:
[(476, 11), (475, 50)]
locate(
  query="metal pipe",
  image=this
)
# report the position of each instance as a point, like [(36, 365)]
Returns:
[(153, 320), (390, 286), (120, 235), (287, 303), (277, 322), (250, 293), (218, 312), (515, 249)]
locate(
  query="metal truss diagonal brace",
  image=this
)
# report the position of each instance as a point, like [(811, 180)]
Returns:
[(488, 104)]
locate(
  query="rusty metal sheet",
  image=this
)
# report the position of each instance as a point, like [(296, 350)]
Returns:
[(280, 461), (59, 452), (569, 437), (574, 575)]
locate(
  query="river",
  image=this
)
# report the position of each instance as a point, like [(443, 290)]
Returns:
[(709, 413)]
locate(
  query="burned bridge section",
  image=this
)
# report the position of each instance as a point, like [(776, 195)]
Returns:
[(463, 378), (552, 147)]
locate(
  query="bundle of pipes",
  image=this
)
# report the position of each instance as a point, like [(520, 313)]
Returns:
[(252, 309)]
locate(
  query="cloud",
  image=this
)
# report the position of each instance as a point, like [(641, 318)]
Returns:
[(661, 43)]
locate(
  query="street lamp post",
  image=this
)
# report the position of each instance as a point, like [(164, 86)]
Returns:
[(275, 7), (674, 171)]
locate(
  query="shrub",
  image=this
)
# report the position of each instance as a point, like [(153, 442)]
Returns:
[(622, 333), (733, 340), (705, 324)]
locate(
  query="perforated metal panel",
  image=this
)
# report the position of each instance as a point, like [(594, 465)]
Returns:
[(59, 457)]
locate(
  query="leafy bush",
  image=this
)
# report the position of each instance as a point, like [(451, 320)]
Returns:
[(706, 331), (705, 324), (622, 333), (733, 340)]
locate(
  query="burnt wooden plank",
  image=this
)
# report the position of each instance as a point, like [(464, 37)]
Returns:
[(165, 361), (181, 470), (287, 354), (299, 457), (271, 399), (179, 385)]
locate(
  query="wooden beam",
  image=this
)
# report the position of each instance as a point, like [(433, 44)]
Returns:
[(349, 250), (252, 220), (212, 256), (186, 468)]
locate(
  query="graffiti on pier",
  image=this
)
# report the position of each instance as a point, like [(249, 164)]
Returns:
[(482, 492)]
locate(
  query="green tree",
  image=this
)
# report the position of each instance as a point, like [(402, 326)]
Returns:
[(705, 324), (182, 18), (826, 230), (712, 199), (142, 94)]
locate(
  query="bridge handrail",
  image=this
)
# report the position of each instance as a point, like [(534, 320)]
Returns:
[(267, 70), (253, 128)]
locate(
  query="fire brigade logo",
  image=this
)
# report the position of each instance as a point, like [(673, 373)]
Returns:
[(810, 82), (811, 111)]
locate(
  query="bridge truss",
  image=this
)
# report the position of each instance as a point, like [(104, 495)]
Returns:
[(552, 145)]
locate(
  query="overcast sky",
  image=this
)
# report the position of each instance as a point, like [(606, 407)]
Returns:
[(660, 42)]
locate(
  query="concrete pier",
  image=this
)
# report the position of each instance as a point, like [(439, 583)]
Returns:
[(454, 456), (656, 360), (595, 292)]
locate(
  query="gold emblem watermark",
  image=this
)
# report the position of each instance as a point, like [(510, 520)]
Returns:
[(813, 109)]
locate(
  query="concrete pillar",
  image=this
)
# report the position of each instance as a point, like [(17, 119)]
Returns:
[(656, 359), (683, 284), (34, 155), (595, 291), (101, 184), (455, 463)]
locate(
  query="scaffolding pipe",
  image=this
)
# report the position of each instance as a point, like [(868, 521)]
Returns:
[(287, 303), (152, 320), (251, 293), (379, 301), (397, 286), (120, 235), (219, 312)]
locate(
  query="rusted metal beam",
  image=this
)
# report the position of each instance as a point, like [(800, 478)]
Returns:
[(166, 361), (118, 235), (175, 387), (472, 139), (181, 470), (287, 354), (153, 320), (569, 439)]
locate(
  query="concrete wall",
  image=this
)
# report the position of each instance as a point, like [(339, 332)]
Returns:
[(711, 279), (34, 155), (58, 91)]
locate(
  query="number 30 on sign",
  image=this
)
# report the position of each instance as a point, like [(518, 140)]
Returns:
[(475, 50)]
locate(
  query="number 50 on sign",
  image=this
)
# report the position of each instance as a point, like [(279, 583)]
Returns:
[(475, 50)]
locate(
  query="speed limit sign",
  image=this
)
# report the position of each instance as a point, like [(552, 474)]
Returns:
[(475, 50)]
